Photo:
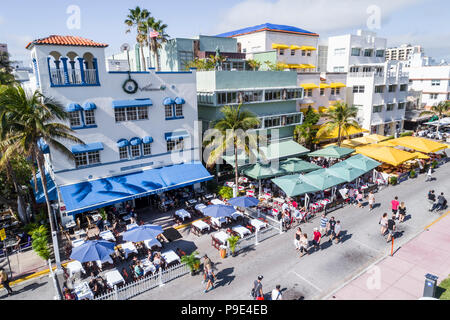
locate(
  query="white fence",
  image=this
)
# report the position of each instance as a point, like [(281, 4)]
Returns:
[(269, 219), (139, 286)]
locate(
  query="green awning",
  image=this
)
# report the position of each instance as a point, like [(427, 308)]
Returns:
[(362, 162), (283, 149), (259, 171), (294, 165), (332, 152), (345, 171), (243, 159), (293, 185), (322, 179)]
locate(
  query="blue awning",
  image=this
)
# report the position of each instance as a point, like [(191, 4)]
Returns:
[(51, 188), (179, 100), (135, 141), (89, 106), (122, 143), (71, 107), (171, 136), (81, 148), (90, 195), (168, 101), (146, 140), (132, 103), (43, 146)]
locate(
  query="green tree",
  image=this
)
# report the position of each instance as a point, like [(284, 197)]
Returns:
[(440, 110), (201, 64), (31, 118), (254, 64), (6, 76), (341, 116), (39, 244), (306, 133), (155, 43), (232, 127), (275, 66), (135, 19)]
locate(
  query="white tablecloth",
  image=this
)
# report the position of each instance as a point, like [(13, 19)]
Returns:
[(218, 221), (200, 207), (279, 200), (131, 226), (236, 215), (217, 201), (75, 266), (241, 230), (147, 266), (170, 256), (201, 225), (77, 243), (221, 236), (107, 235), (83, 291), (192, 201), (258, 224), (114, 277), (183, 214), (96, 217), (128, 247), (152, 242), (70, 224)]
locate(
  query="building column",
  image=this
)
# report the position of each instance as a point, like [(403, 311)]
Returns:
[(80, 61), (94, 61), (66, 73)]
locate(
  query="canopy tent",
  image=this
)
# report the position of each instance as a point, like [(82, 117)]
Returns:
[(387, 143), (376, 137), (322, 179), (419, 144), (294, 165), (346, 171), (362, 162), (260, 171), (333, 134), (91, 194), (420, 155), (373, 138), (443, 122), (332, 152), (388, 155), (293, 185)]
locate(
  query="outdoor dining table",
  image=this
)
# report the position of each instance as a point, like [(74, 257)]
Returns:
[(209, 196), (127, 217), (131, 226), (236, 215), (200, 225), (148, 266), (170, 256), (182, 213), (222, 237), (200, 207), (74, 267), (107, 235), (217, 201), (83, 291), (96, 217), (80, 233), (70, 224), (218, 221), (192, 201), (128, 248), (150, 243), (258, 224), (114, 277), (279, 200), (77, 243), (241, 230)]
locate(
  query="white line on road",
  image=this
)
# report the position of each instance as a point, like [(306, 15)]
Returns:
[(307, 281)]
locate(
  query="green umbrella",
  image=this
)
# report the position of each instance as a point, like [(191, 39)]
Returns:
[(293, 185), (362, 162), (322, 179), (260, 171), (345, 171), (332, 152), (294, 165)]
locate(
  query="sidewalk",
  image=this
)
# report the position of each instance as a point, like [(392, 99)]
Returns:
[(402, 276)]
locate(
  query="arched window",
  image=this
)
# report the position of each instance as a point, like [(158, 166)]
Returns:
[(55, 68)]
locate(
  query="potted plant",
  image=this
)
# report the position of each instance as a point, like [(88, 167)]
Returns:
[(393, 180), (412, 174), (232, 242), (226, 192), (192, 261), (434, 164), (102, 212)]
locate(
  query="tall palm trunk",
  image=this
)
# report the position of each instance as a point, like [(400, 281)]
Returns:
[(236, 175), (20, 203), (339, 136)]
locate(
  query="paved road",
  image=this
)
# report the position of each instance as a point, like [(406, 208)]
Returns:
[(311, 277)]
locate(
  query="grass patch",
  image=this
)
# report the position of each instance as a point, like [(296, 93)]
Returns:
[(443, 290)]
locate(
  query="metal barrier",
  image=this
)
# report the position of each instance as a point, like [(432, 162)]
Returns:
[(258, 214), (140, 286)]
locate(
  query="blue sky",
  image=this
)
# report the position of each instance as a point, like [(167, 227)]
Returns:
[(422, 22)]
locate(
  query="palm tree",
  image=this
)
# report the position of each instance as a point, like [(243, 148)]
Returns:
[(341, 116), (306, 133), (27, 120), (254, 64), (6, 76), (438, 110), (136, 18), (234, 121), (155, 42)]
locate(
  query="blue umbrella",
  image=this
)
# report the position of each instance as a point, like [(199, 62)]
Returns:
[(141, 233), (244, 202), (218, 211), (93, 251)]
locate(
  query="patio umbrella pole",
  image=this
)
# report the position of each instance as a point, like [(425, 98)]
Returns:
[(260, 187)]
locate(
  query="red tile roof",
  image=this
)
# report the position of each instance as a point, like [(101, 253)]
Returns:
[(66, 41)]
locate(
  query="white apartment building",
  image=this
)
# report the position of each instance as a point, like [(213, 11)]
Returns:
[(379, 88), (402, 53), (139, 129)]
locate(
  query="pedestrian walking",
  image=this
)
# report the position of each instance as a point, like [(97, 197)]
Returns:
[(429, 177), (323, 225), (442, 202), (206, 265), (257, 291), (371, 200), (5, 281), (298, 234), (337, 231), (316, 239), (210, 276), (401, 212), (431, 200), (391, 228), (394, 205), (359, 199), (304, 243), (383, 222), (276, 293), (331, 226)]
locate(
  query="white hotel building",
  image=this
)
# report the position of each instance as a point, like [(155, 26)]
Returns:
[(139, 128), (379, 87)]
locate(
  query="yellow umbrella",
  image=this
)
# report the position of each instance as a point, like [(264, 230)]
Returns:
[(387, 143), (420, 155), (376, 137), (389, 155), (334, 134), (419, 144), (346, 144), (364, 140)]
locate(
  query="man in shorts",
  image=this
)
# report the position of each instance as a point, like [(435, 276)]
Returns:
[(391, 228), (316, 239), (323, 225), (331, 225), (395, 204), (337, 231)]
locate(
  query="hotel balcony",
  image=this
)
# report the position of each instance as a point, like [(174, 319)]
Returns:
[(74, 77)]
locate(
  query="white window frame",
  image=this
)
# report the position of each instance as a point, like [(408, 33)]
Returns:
[(178, 110), (147, 149), (120, 114), (135, 151), (75, 119), (89, 117), (87, 158), (123, 153), (168, 111)]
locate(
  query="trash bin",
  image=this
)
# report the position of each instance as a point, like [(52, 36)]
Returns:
[(430, 285)]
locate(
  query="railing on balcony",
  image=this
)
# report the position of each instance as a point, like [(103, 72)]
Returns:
[(74, 77)]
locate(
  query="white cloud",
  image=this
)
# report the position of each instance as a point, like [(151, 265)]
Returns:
[(313, 15)]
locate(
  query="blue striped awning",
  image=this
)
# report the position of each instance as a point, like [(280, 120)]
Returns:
[(168, 101), (89, 106), (72, 107), (122, 143), (179, 100), (146, 140), (135, 141), (132, 103), (81, 148), (171, 136)]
